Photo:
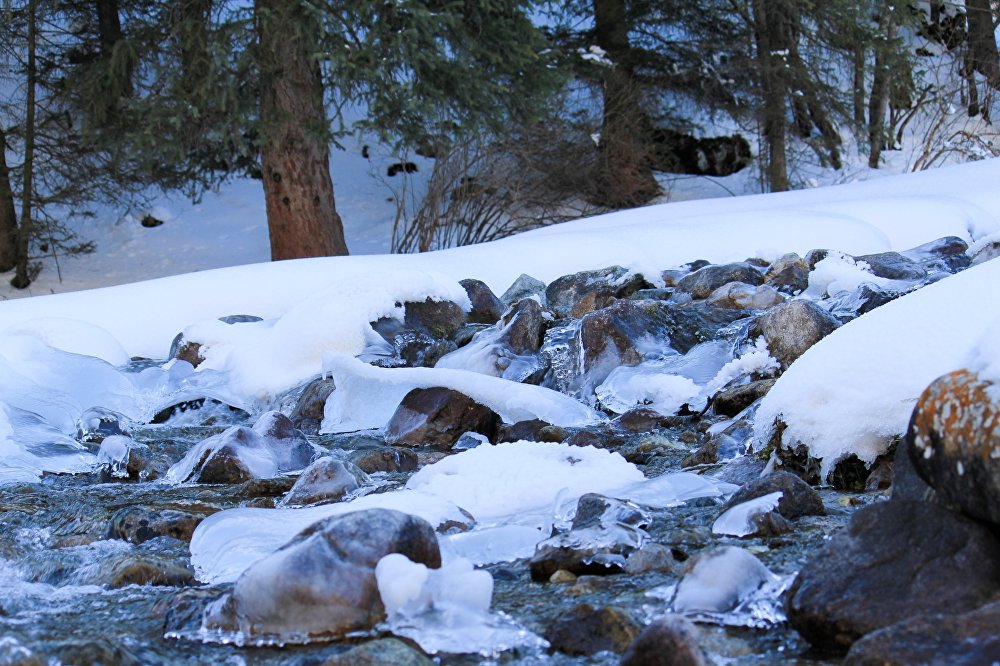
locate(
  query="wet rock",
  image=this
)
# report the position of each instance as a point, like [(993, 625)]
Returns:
[(788, 274), (652, 557), (421, 338), (486, 307), (384, 459), (380, 652), (599, 288), (326, 480), (144, 569), (704, 281), (733, 400), (706, 454), (223, 465), (643, 419), (601, 436), (288, 445), (880, 477), (97, 423), (322, 583), (523, 327), (742, 296), (798, 498), (966, 639), (813, 257), (906, 483), (893, 265), (439, 319), (740, 471), (307, 415), (585, 630), (437, 417), (534, 430), (603, 534), (986, 252), (793, 327), (870, 296), (954, 443), (949, 253), (895, 560), (95, 653), (667, 641), (138, 524), (524, 286)]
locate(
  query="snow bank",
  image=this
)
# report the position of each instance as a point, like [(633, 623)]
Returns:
[(857, 387), (893, 213), (366, 396)]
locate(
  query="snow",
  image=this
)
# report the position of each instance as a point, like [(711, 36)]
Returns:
[(854, 391)]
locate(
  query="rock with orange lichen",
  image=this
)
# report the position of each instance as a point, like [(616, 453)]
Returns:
[(954, 442)]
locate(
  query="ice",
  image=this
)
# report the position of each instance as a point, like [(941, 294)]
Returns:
[(485, 355), (114, 453), (446, 610), (366, 396), (562, 349), (839, 273), (739, 520), (503, 543), (674, 489)]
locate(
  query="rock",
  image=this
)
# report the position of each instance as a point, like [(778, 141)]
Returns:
[(949, 254), (798, 498), (384, 459), (486, 307), (327, 479), (139, 524), (189, 350), (793, 327), (667, 641), (985, 252), (733, 400), (906, 483), (966, 639), (322, 582), (870, 296), (895, 560), (788, 274), (652, 557), (534, 430), (148, 570), (437, 417), (439, 319), (813, 257), (222, 466), (289, 447), (704, 281), (524, 286), (421, 338), (380, 652), (585, 630), (643, 419), (954, 443), (523, 327), (97, 423), (599, 288), (95, 653), (742, 296), (307, 415), (601, 436), (893, 265)]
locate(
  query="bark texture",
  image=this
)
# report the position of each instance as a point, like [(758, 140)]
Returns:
[(298, 191), (8, 214), (771, 36)]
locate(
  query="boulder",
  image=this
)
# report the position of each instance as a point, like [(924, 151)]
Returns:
[(523, 327), (667, 641), (321, 584), (486, 307), (793, 327), (307, 415), (733, 400), (437, 417), (788, 274), (138, 524), (534, 430), (895, 560), (944, 254), (742, 296), (384, 459), (798, 498), (893, 266), (524, 286), (965, 639), (326, 480), (584, 292), (704, 281), (585, 630), (954, 443)]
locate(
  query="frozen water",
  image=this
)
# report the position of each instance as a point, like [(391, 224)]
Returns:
[(485, 355), (839, 272), (739, 520), (114, 453), (561, 346), (367, 396)]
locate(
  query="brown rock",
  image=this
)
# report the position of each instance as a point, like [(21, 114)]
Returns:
[(585, 630), (437, 417)]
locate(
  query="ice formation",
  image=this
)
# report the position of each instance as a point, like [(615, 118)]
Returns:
[(739, 520)]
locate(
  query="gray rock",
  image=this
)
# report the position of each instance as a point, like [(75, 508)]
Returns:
[(788, 274), (966, 639), (598, 288), (94, 653), (380, 652), (985, 253), (668, 641), (742, 296), (290, 448), (733, 400), (949, 254), (585, 630), (322, 582), (384, 459), (437, 417), (138, 524), (524, 286), (798, 497), (791, 328), (704, 281), (326, 480), (486, 307), (893, 265), (894, 561), (307, 415)]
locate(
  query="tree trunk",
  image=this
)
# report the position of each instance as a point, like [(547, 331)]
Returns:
[(21, 278), (295, 154), (772, 48), (879, 97), (624, 173), (8, 215), (982, 41), (859, 88)]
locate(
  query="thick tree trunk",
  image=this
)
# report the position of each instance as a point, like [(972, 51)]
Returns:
[(295, 156), (624, 174), (8, 215), (983, 54), (771, 38), (21, 277)]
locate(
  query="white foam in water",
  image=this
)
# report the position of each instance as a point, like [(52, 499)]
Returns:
[(366, 396), (739, 520)]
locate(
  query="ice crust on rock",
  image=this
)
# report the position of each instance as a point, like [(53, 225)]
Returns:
[(114, 453), (367, 396), (738, 521)]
